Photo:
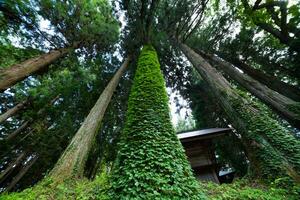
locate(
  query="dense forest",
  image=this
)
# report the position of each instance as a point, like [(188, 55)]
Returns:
[(85, 99)]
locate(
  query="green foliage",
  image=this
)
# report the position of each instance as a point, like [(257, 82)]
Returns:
[(98, 189), (70, 189), (233, 35), (88, 22), (11, 13), (151, 163), (272, 145), (85, 24), (295, 108), (10, 54), (245, 190), (185, 124)]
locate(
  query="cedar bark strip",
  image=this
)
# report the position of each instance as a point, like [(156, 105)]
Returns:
[(71, 163), (18, 72), (272, 82), (278, 102), (268, 148), (12, 111)]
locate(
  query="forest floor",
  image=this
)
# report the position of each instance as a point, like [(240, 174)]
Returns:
[(242, 189)]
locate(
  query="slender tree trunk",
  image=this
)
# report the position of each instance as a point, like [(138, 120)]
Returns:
[(269, 145), (17, 72), (18, 131), (92, 173), (272, 82), (5, 173), (20, 175), (281, 104), (27, 123), (12, 111), (72, 162)]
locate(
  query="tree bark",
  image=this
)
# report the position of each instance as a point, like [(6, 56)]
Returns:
[(5, 173), (18, 72), (272, 82), (269, 146), (20, 175), (278, 102), (12, 111), (72, 162)]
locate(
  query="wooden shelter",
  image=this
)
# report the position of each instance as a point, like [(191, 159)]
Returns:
[(201, 153)]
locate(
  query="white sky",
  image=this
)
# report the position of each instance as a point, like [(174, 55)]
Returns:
[(173, 109)]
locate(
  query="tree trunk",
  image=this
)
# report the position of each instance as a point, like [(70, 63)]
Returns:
[(272, 82), (72, 162), (268, 144), (17, 72), (12, 111), (5, 173), (26, 123), (20, 175), (281, 104), (18, 131)]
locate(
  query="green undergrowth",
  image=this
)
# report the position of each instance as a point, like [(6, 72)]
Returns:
[(98, 189), (80, 189), (245, 190)]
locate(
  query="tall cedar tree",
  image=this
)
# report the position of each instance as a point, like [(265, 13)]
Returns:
[(287, 108), (72, 162)]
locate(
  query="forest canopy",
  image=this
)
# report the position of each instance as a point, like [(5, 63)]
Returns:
[(96, 95)]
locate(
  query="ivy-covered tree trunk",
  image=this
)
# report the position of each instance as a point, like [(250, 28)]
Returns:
[(270, 147), (272, 82), (287, 108), (18, 72), (151, 163), (72, 162)]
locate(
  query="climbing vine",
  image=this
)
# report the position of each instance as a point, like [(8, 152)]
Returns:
[(151, 162), (271, 143)]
